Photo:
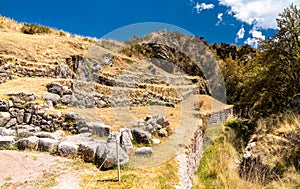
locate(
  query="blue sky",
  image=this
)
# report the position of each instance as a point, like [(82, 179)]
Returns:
[(216, 20)]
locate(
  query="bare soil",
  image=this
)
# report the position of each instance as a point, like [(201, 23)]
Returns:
[(36, 170)]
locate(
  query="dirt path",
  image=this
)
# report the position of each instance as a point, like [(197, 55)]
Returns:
[(36, 170)]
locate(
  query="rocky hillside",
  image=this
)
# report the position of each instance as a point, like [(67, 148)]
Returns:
[(74, 96)]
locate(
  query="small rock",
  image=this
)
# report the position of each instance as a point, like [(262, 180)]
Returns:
[(4, 105), (141, 136), (144, 151), (155, 141), (20, 116), (101, 104), (163, 132), (11, 123), (4, 118), (66, 91), (150, 128), (27, 117), (58, 134), (140, 123), (55, 88), (14, 112)]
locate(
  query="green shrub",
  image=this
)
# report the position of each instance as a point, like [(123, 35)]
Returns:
[(242, 131), (35, 29)]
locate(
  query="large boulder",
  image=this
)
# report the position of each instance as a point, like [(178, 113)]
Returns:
[(126, 139), (54, 98), (97, 128), (106, 156), (86, 152), (28, 143), (67, 149), (100, 150), (6, 140), (4, 118), (69, 100), (47, 144), (7, 132), (141, 136)]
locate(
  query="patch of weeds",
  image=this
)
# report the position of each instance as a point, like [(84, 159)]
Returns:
[(242, 131), (48, 181), (35, 29), (9, 147), (5, 186), (169, 175), (8, 178)]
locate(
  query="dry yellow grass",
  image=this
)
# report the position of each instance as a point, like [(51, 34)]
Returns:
[(28, 85), (42, 48), (163, 176)]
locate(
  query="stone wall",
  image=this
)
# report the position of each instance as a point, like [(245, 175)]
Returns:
[(189, 160), (76, 93), (23, 110), (219, 116)]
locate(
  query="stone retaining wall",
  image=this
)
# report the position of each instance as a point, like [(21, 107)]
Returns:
[(190, 159), (219, 116), (23, 109)]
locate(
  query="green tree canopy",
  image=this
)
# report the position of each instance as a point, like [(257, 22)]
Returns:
[(275, 74)]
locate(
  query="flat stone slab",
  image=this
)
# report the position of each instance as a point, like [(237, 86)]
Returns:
[(6, 140), (144, 151)]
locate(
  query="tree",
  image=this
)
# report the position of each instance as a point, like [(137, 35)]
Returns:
[(275, 75)]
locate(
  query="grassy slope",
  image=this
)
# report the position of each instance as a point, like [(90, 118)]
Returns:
[(218, 167)]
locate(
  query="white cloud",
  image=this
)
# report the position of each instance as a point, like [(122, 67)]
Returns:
[(240, 34), (256, 37), (252, 42), (257, 34), (261, 13), (203, 6), (220, 18)]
